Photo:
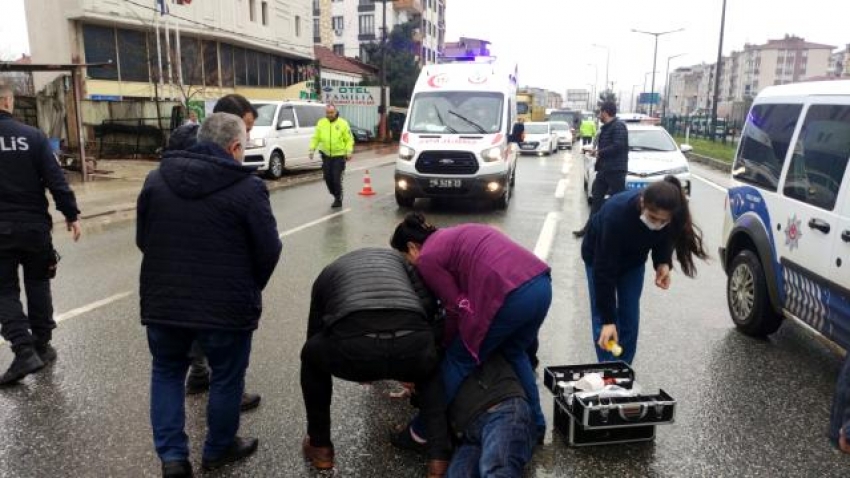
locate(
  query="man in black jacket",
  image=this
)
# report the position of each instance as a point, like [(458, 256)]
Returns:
[(612, 160), (493, 420), (27, 166), (182, 139), (210, 244), (371, 318)]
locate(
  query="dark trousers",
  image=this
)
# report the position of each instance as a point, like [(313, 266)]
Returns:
[(332, 169), (586, 139), (321, 360), (30, 247), (607, 183), (228, 353), (498, 443)]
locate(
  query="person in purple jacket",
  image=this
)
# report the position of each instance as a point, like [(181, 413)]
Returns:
[(495, 293)]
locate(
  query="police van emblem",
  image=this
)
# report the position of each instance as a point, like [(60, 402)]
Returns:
[(793, 232)]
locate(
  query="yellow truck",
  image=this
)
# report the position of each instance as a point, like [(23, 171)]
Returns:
[(526, 111)]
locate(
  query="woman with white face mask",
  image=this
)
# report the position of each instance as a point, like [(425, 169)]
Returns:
[(619, 238)]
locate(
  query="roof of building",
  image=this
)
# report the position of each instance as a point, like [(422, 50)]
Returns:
[(792, 42), (331, 61)]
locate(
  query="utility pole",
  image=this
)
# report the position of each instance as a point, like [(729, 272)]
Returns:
[(655, 58), (667, 92), (382, 129), (713, 134), (607, 62)]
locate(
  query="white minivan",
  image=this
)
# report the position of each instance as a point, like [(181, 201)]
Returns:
[(280, 139), (786, 235)]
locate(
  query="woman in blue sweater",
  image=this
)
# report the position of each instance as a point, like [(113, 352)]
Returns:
[(620, 236)]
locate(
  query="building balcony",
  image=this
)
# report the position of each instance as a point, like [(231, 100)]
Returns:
[(412, 6), (367, 37)]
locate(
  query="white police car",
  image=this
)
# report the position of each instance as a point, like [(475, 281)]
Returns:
[(653, 154), (786, 237)]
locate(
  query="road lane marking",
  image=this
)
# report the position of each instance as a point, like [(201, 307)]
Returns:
[(561, 189), (90, 307), (547, 236), (710, 183), (313, 223), (566, 169)]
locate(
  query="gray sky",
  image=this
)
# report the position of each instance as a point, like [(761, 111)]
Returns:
[(552, 39)]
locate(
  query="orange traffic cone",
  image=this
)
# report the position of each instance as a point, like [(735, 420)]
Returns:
[(367, 185)]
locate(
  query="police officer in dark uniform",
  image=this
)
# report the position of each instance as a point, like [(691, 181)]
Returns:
[(27, 166)]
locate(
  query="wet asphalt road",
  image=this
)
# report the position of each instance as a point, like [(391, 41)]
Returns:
[(746, 407)]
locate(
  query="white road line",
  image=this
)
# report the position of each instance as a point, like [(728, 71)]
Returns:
[(547, 236), (313, 223), (566, 169), (90, 307), (710, 183), (561, 190)]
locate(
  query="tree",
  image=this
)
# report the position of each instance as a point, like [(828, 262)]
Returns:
[(402, 69)]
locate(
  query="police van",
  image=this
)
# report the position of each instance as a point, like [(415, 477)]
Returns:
[(786, 237), (454, 143)]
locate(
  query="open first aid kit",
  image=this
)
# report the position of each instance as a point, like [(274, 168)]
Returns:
[(601, 404)]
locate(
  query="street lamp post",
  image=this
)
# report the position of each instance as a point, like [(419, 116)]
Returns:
[(717, 71), (667, 86), (607, 61), (595, 78), (655, 55), (382, 128), (634, 100), (591, 95)]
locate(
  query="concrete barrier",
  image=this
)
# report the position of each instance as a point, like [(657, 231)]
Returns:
[(711, 162)]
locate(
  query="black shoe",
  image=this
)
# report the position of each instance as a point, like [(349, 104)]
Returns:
[(403, 440), (250, 401), (580, 233), (241, 448), (46, 353), (26, 362), (337, 203), (177, 469), (198, 381)]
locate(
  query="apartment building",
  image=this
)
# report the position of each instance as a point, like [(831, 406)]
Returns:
[(746, 72), (259, 48), (345, 26)]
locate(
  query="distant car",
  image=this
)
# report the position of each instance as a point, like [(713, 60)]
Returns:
[(540, 138), (564, 132), (653, 154), (361, 135)]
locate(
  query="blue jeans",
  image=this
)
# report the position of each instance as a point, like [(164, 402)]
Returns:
[(840, 416), (629, 289), (512, 332), (228, 353), (498, 444)]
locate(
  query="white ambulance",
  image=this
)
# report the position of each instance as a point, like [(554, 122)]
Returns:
[(455, 140)]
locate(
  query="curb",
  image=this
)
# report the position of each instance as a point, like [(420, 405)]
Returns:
[(711, 162), (123, 213)]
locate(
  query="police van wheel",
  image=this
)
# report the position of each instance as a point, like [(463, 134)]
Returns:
[(747, 297), (503, 201), (276, 168)]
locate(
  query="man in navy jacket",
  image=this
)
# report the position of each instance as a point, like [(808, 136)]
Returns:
[(210, 245), (27, 167)]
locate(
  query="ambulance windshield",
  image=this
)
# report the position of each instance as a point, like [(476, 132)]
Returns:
[(457, 112)]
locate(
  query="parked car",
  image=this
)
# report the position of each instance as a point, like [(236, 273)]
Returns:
[(564, 132), (280, 139), (653, 154), (361, 135), (786, 235), (540, 138)]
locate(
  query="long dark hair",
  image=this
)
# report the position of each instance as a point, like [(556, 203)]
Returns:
[(668, 195), (413, 229)]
